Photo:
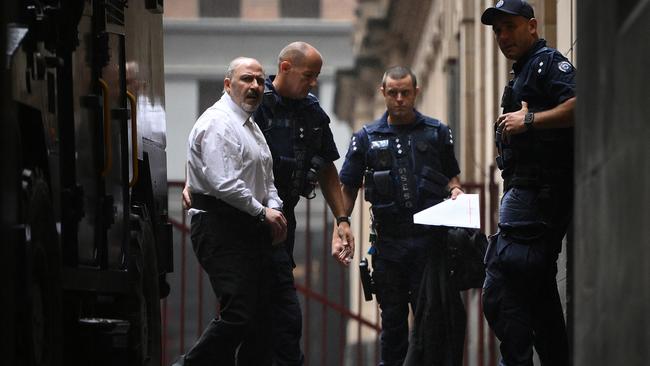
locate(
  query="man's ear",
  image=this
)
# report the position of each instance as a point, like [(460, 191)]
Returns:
[(226, 85), (532, 25), (382, 90), (417, 91), (285, 66)]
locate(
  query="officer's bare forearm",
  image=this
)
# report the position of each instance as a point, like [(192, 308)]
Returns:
[(562, 116), (349, 198), (453, 182), (330, 185)]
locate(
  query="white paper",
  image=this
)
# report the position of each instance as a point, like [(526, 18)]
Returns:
[(462, 212)]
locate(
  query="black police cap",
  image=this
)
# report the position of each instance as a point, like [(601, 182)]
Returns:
[(514, 7)]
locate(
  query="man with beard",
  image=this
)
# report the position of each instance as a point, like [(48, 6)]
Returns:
[(236, 216)]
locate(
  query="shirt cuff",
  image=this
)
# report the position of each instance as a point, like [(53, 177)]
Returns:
[(275, 204)]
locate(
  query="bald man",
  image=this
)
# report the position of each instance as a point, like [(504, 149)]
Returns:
[(297, 131)]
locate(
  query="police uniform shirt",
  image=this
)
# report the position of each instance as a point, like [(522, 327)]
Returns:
[(549, 79), (543, 78), (276, 119), (229, 159), (354, 166)]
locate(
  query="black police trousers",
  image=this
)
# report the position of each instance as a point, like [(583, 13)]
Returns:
[(520, 296), (286, 315), (235, 252)]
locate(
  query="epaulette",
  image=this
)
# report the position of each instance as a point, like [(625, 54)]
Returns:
[(541, 60), (432, 122), (373, 126)]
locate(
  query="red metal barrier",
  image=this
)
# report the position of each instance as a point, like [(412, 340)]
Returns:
[(316, 282)]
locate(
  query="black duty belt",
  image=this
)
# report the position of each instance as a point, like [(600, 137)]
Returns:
[(533, 176), (214, 205), (406, 229)]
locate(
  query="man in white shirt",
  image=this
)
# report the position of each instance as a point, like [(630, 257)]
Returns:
[(236, 216)]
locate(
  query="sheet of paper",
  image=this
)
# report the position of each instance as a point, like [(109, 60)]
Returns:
[(461, 212)]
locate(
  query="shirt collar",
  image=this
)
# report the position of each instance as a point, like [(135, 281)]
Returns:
[(384, 126), (516, 67), (241, 115), (289, 102)]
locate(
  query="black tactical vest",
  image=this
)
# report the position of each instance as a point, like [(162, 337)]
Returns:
[(402, 173)]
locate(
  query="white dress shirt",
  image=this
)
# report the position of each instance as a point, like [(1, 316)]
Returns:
[(228, 158)]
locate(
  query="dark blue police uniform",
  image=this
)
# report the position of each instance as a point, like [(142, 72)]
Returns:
[(520, 296), (301, 142), (404, 169)]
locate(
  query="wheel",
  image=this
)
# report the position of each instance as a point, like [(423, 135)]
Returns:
[(145, 330)]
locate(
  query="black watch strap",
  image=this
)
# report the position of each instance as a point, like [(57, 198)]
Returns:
[(341, 219), (529, 118)]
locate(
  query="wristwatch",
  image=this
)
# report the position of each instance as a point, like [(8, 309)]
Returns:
[(341, 219), (261, 217), (528, 120)]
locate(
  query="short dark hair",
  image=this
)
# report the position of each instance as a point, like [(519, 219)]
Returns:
[(398, 73)]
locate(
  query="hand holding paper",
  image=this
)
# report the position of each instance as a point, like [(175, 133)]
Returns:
[(461, 212)]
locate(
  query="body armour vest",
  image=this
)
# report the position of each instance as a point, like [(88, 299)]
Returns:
[(294, 130), (535, 157), (402, 173)]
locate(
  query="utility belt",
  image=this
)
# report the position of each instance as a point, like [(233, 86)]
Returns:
[(402, 229), (535, 176), (214, 205)]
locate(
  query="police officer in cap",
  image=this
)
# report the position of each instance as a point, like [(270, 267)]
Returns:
[(405, 162), (534, 137)]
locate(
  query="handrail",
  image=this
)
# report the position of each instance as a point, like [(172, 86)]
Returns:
[(108, 152), (134, 138)]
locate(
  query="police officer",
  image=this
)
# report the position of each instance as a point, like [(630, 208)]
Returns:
[(534, 137), (297, 131), (406, 163)]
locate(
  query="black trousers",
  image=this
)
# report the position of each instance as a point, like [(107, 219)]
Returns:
[(284, 306), (520, 296), (235, 252), (286, 315)]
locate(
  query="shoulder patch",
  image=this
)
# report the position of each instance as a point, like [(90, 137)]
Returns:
[(565, 66)]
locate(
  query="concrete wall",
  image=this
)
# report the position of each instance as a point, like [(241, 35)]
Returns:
[(612, 222)]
